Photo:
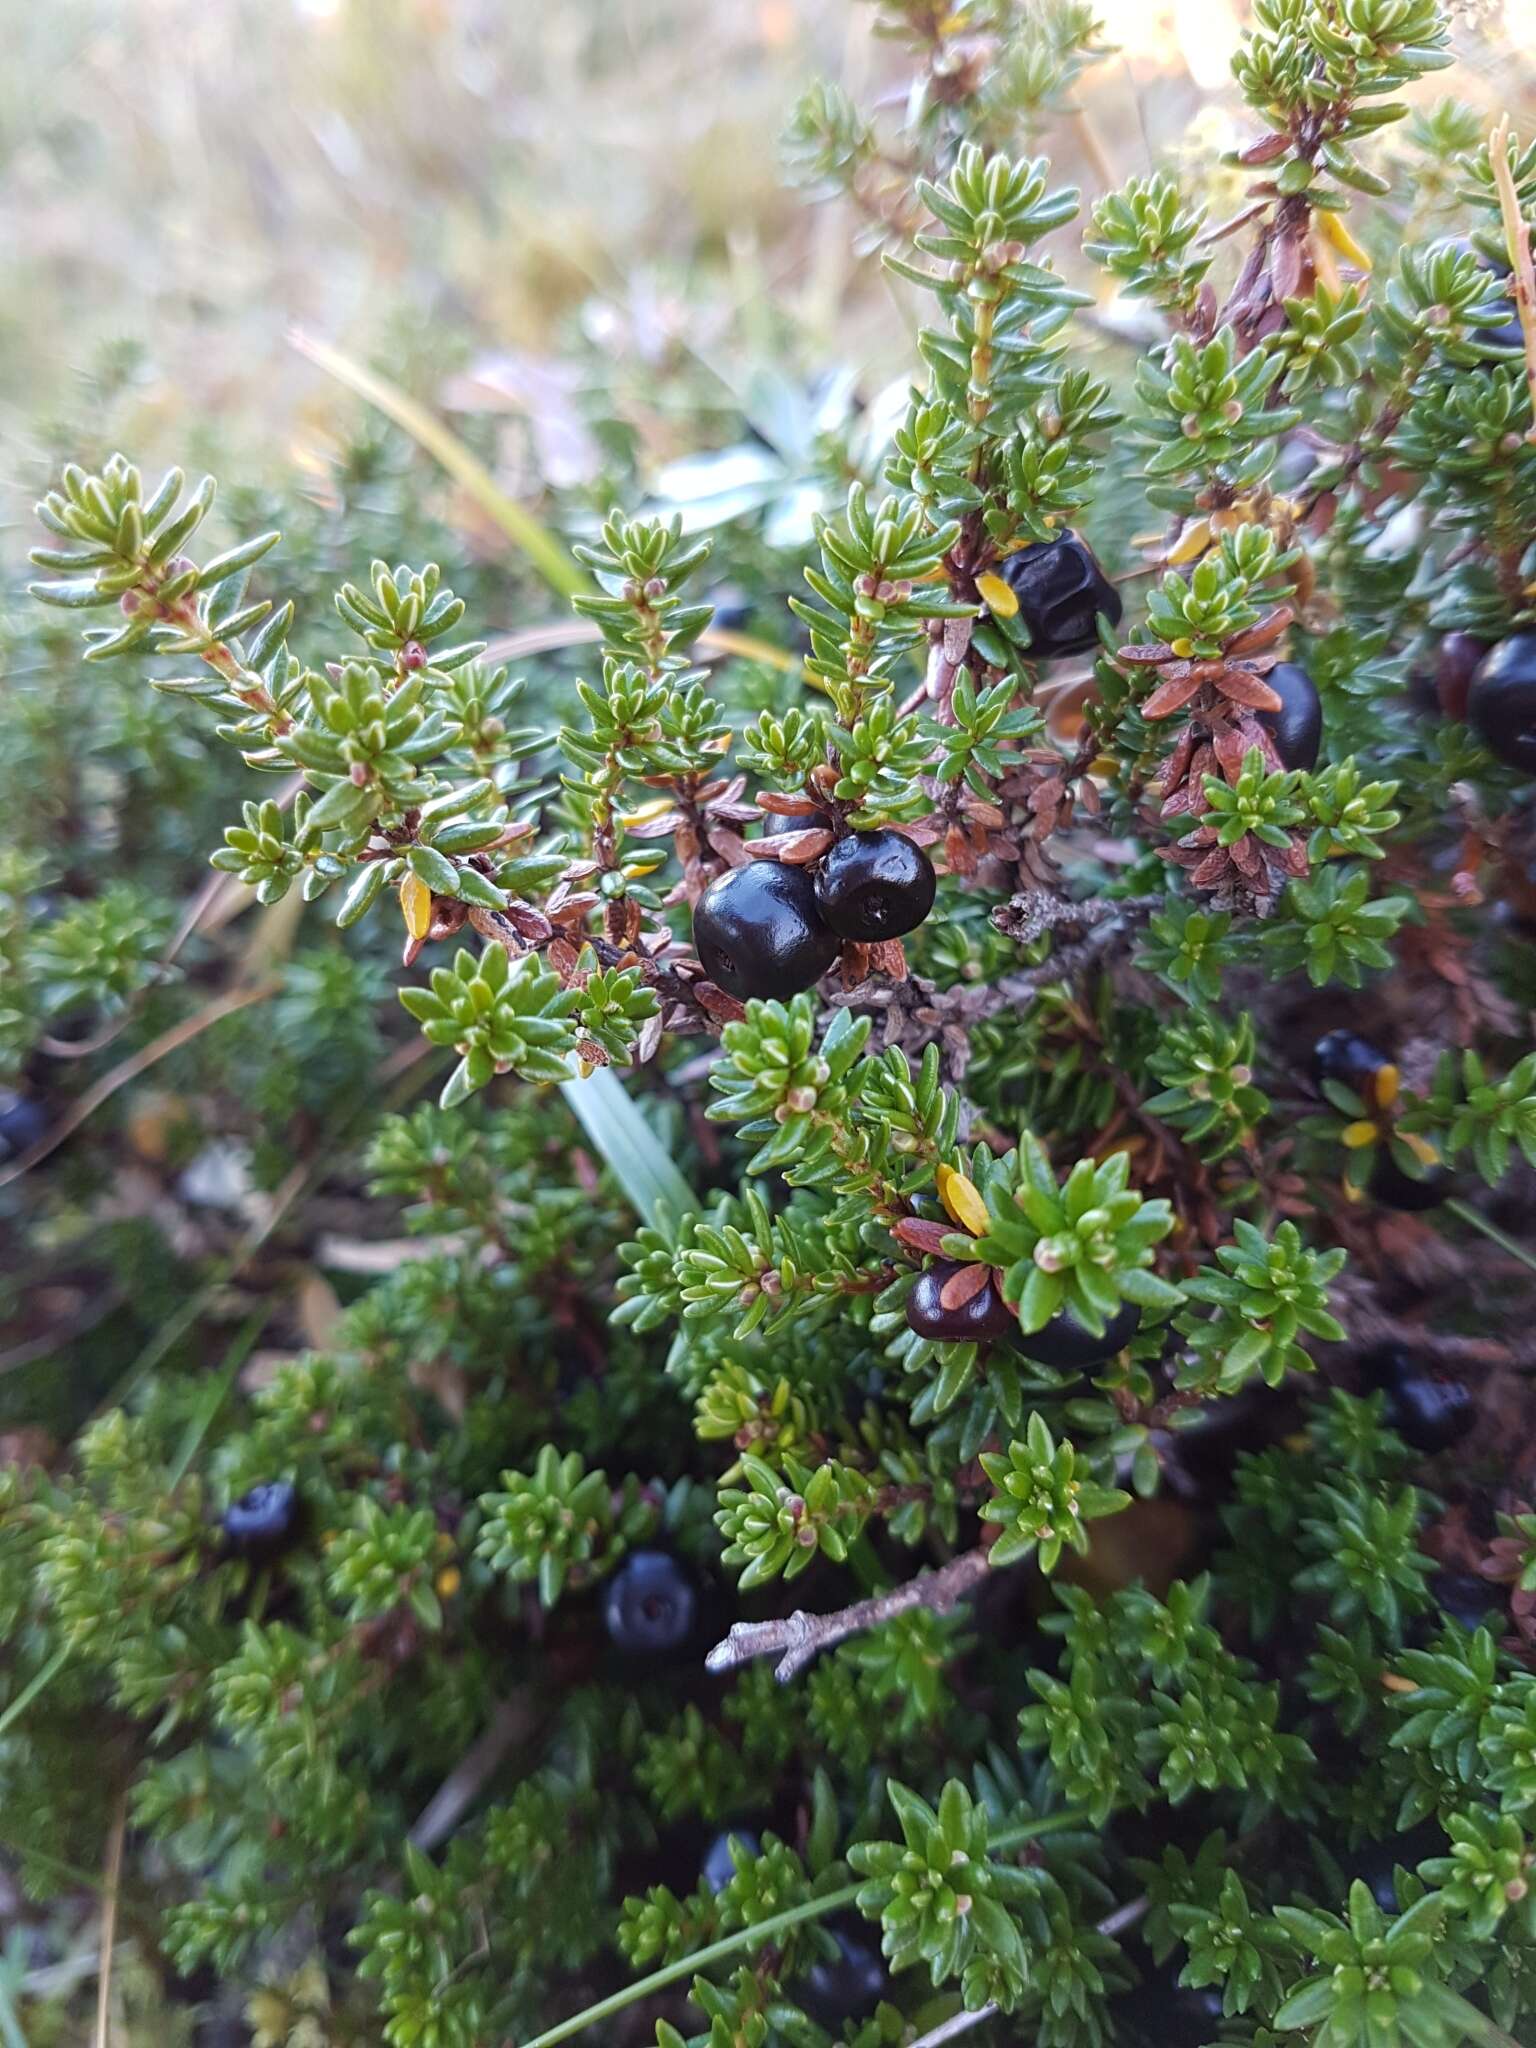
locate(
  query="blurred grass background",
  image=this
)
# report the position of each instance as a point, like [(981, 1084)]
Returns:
[(592, 191)]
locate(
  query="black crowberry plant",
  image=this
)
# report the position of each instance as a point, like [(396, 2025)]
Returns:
[(1066, 1043)]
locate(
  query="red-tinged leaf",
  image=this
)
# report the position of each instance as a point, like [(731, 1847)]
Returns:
[(796, 848), (1293, 859), (1242, 686), (1046, 795), (964, 1286), (527, 922), (1169, 696), (1247, 856), (1188, 800), (733, 812), (922, 1235), (1289, 264), (1262, 633), (785, 806), (1264, 151)]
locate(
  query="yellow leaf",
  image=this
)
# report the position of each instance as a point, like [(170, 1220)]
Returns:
[(1191, 543), (1336, 230), (1183, 647), (416, 906), (1421, 1148), (1358, 1135), (962, 1199), (449, 1581), (1384, 1085), (999, 599)]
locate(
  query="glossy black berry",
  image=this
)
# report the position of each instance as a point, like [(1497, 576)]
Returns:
[(1062, 595), (1501, 704), (1395, 1189), (847, 1987), (776, 824), (1430, 1413), (718, 1867), (1066, 1344), (1297, 727), (985, 1317), (875, 885), (757, 931), (1457, 660), (262, 1521), (22, 1123), (1469, 1600), (650, 1605), (1346, 1057)]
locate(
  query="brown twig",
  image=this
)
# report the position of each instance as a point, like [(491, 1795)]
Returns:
[(129, 1070), (1518, 241), (470, 1775), (109, 1890), (800, 1637), (934, 1010)]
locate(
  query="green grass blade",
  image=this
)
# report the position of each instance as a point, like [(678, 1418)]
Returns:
[(628, 1145), (541, 547)]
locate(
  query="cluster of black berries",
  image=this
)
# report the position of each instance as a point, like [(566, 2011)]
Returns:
[(774, 927), (1346, 1057)]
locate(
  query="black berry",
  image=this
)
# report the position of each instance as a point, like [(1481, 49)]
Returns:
[(22, 1123), (1467, 1599), (1062, 594), (1068, 1345), (263, 1521), (1395, 1189), (1297, 727), (1501, 704), (984, 1317), (846, 1987), (1457, 660), (1427, 1411), (718, 1867), (757, 931), (650, 1605), (1346, 1057), (875, 885)]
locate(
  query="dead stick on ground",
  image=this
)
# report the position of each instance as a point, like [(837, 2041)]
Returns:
[(111, 1881), (800, 1637)]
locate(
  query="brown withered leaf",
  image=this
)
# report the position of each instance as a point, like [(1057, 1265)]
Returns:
[(527, 922), (731, 847), (964, 1286), (1213, 869), (1153, 656), (1231, 744), (1244, 687), (718, 1003), (888, 957), (1172, 693)]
